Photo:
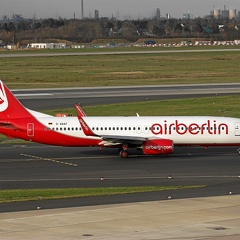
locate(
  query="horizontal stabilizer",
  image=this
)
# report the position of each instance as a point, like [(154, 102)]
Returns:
[(9, 125)]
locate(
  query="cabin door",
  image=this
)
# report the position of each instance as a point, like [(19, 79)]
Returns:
[(237, 128)]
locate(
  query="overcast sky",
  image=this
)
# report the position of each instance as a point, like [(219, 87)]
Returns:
[(118, 8)]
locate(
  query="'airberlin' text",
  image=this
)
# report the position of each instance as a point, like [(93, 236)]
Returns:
[(209, 127)]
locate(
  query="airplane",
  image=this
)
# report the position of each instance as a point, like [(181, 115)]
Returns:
[(153, 135)]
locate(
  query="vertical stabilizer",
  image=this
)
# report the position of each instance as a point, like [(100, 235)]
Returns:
[(10, 107)]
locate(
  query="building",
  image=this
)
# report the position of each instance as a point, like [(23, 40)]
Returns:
[(232, 13), (217, 13), (47, 45), (168, 16), (96, 14), (186, 16), (158, 14), (225, 14)]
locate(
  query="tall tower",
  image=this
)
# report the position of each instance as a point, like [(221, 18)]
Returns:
[(82, 10)]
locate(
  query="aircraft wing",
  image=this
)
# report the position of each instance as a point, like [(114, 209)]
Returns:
[(111, 140), (123, 139)]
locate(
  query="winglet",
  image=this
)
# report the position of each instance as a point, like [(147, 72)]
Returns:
[(86, 129), (80, 112)]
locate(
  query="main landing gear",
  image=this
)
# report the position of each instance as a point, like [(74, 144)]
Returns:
[(123, 151)]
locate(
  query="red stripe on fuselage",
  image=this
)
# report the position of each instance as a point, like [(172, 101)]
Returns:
[(45, 135)]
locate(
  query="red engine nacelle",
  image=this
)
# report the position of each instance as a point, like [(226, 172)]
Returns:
[(158, 147)]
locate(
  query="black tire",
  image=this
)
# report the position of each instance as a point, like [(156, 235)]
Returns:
[(123, 154)]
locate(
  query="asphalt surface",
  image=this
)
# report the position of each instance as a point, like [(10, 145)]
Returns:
[(40, 166), (42, 99), (211, 218), (25, 54)]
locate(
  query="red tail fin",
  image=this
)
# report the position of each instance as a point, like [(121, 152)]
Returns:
[(10, 107)]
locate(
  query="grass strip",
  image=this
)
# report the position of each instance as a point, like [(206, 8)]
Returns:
[(209, 106), (120, 70), (21, 195)]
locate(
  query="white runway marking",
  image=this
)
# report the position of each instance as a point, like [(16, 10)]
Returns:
[(32, 94), (49, 159)]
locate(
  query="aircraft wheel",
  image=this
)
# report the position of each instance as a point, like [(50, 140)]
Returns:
[(238, 151), (124, 154)]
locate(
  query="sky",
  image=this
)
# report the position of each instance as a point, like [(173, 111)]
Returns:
[(122, 9)]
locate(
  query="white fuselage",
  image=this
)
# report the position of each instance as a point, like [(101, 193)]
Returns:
[(181, 130)]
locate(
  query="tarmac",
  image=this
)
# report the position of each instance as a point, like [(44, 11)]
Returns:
[(210, 218)]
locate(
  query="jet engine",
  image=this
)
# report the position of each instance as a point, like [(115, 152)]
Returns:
[(158, 147)]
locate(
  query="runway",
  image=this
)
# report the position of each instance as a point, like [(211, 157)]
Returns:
[(43, 99), (38, 166), (137, 51)]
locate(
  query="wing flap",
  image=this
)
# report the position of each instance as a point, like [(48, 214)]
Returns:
[(123, 139)]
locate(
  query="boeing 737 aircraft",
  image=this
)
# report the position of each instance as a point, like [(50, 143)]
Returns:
[(151, 135)]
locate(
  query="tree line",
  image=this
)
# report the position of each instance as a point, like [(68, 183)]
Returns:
[(84, 31)]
